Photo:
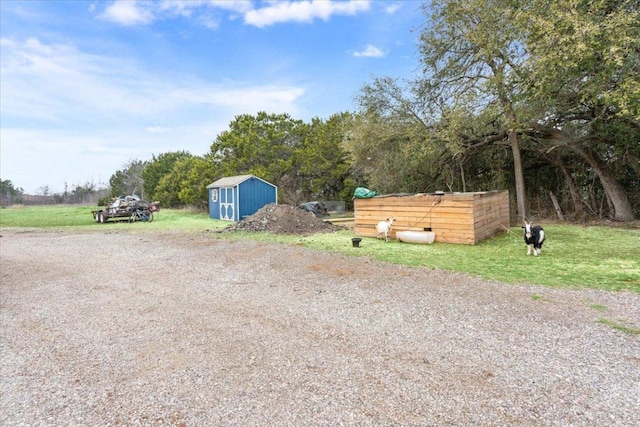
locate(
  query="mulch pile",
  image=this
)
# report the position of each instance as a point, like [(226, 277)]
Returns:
[(283, 219)]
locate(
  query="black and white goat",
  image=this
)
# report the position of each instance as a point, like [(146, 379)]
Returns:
[(534, 238), (384, 228)]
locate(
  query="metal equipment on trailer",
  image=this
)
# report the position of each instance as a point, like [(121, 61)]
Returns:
[(129, 208)]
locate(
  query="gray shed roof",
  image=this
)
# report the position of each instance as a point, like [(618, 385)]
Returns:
[(232, 181)]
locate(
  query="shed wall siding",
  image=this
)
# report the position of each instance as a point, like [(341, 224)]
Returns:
[(491, 215), (214, 206), (253, 194), (465, 218)]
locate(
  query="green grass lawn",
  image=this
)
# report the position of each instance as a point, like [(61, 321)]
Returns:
[(80, 218), (573, 256)]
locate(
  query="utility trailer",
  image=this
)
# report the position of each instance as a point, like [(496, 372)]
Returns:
[(126, 208)]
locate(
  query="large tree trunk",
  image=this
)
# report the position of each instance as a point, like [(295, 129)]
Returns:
[(614, 191), (512, 136), (519, 175), (617, 195)]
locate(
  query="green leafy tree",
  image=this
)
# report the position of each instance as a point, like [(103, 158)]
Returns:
[(585, 83), (194, 191), (127, 180), (186, 183), (198, 173), (472, 56), (157, 168), (559, 82), (319, 164), (167, 191), (387, 153), (10, 194), (261, 145)]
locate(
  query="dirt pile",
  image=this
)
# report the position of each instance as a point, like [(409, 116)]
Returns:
[(283, 219)]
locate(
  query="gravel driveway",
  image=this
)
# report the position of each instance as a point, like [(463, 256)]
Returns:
[(190, 330)]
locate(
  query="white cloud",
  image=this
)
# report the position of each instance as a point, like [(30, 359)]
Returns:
[(129, 12), (392, 8), (55, 82), (302, 11), (370, 51), (118, 112), (238, 6), (268, 97), (157, 129), (208, 21), (186, 7), (138, 12)]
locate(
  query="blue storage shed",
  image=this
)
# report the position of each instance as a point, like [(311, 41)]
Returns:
[(234, 197)]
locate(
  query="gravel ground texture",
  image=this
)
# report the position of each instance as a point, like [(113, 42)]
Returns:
[(124, 328)]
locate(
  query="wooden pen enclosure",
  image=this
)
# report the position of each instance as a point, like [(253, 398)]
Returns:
[(466, 218)]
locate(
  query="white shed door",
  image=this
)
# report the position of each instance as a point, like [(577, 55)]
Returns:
[(227, 205)]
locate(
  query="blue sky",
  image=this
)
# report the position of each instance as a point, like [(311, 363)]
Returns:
[(88, 86)]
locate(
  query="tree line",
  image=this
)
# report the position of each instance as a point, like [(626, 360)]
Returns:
[(539, 98), (307, 161), (86, 193)]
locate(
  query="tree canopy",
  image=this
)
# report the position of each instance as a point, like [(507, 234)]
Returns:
[(305, 160), (10, 194), (554, 86), (157, 168), (128, 180)]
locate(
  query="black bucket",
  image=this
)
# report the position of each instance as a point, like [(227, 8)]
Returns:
[(356, 242)]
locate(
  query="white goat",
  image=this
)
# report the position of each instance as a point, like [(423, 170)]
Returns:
[(384, 228)]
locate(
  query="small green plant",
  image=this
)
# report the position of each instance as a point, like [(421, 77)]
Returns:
[(598, 307), (536, 297), (619, 327)]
